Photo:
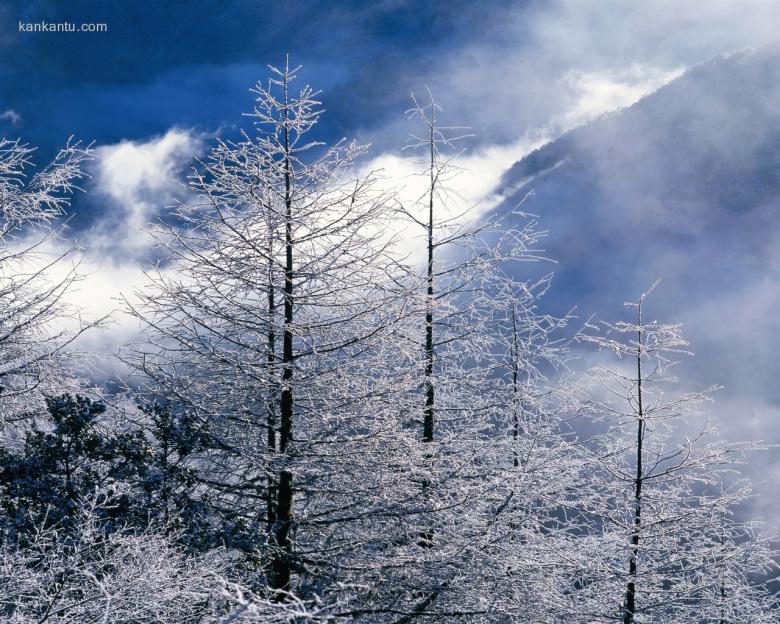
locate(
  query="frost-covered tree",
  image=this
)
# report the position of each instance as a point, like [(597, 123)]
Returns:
[(73, 449), (664, 544), (539, 471), (82, 573), (473, 538), (463, 249), (64, 457), (276, 288), (37, 325)]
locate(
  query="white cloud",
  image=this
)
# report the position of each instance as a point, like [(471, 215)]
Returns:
[(12, 116), (595, 93), (138, 179), (561, 62), (473, 186), (132, 182), (480, 171), (95, 294), (101, 290)]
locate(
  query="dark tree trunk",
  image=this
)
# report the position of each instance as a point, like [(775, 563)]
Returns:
[(272, 398), (515, 390), (426, 536), (631, 589), (282, 563), (722, 590), (429, 389)]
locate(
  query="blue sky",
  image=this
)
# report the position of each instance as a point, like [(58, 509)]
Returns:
[(191, 63)]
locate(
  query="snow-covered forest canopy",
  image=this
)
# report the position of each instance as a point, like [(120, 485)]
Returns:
[(346, 400)]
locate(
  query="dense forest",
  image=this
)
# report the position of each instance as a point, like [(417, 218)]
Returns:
[(342, 406)]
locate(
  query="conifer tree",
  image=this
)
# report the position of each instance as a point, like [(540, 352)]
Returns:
[(663, 501)]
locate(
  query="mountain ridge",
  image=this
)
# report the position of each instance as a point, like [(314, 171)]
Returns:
[(682, 185)]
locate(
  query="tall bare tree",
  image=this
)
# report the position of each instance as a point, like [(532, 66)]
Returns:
[(278, 221), (666, 499)]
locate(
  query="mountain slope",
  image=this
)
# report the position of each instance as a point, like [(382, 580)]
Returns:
[(684, 185)]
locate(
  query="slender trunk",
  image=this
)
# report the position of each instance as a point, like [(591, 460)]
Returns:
[(426, 536), (515, 391), (722, 589), (164, 490), (429, 389), (272, 398), (630, 608), (282, 561), (515, 408)]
